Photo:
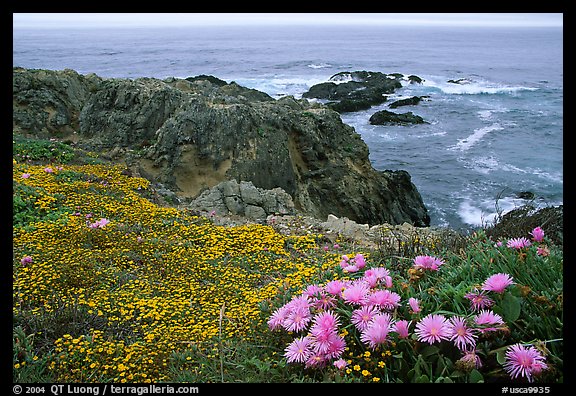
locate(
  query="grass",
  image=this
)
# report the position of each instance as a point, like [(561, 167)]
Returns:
[(161, 295)]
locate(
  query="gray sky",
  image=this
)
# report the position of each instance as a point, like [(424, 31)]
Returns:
[(59, 20)]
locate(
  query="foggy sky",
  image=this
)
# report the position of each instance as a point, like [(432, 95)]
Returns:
[(75, 20)]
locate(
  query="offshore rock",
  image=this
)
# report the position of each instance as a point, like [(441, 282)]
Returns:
[(192, 134), (385, 117), (412, 101), (357, 90)]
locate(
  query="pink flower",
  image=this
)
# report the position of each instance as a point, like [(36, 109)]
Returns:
[(340, 364), (337, 346), (479, 299), (325, 301), (518, 243), (537, 234), (359, 260), (385, 299), (524, 362), (427, 263), (326, 321), (278, 317), (489, 321), (48, 170), (26, 260), (433, 328), (99, 223), (297, 319), (497, 283), (543, 251), (374, 275), (298, 350), (312, 291), (327, 343), (362, 316), (462, 335), (25, 175), (335, 287), (414, 304), (401, 327), (470, 360), (377, 331), (356, 293)]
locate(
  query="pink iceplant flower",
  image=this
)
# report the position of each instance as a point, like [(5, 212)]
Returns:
[(461, 334), (26, 260), (537, 234), (298, 350), (340, 364), (356, 293), (498, 283), (377, 331), (524, 362), (362, 316), (488, 321), (433, 328), (414, 304), (401, 327), (428, 263), (384, 299), (99, 223), (518, 243), (335, 287), (479, 299)]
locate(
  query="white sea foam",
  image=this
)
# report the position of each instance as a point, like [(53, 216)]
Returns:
[(474, 87), (488, 164), (475, 137), (485, 212), (280, 86), (319, 65)]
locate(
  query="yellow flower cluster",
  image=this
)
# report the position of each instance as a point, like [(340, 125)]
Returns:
[(152, 281)]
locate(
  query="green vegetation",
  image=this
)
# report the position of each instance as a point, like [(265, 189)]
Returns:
[(110, 287)]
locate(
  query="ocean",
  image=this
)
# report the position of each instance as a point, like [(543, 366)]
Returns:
[(488, 140)]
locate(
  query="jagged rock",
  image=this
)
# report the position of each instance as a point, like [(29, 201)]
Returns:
[(191, 134), (522, 220), (243, 199), (460, 81), (353, 91), (384, 237), (414, 100), (384, 117), (414, 79)]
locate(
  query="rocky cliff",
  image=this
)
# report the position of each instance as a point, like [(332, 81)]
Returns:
[(192, 134)]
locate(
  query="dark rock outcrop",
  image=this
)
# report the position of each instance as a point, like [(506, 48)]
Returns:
[(244, 199), (357, 90), (192, 134), (521, 221), (412, 101), (385, 117)]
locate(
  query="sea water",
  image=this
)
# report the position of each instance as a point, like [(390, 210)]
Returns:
[(491, 137)]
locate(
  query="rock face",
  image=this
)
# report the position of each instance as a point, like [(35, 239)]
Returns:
[(192, 134), (414, 100), (244, 199), (385, 117), (353, 91)]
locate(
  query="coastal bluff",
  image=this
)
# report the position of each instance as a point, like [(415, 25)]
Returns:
[(192, 134)]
